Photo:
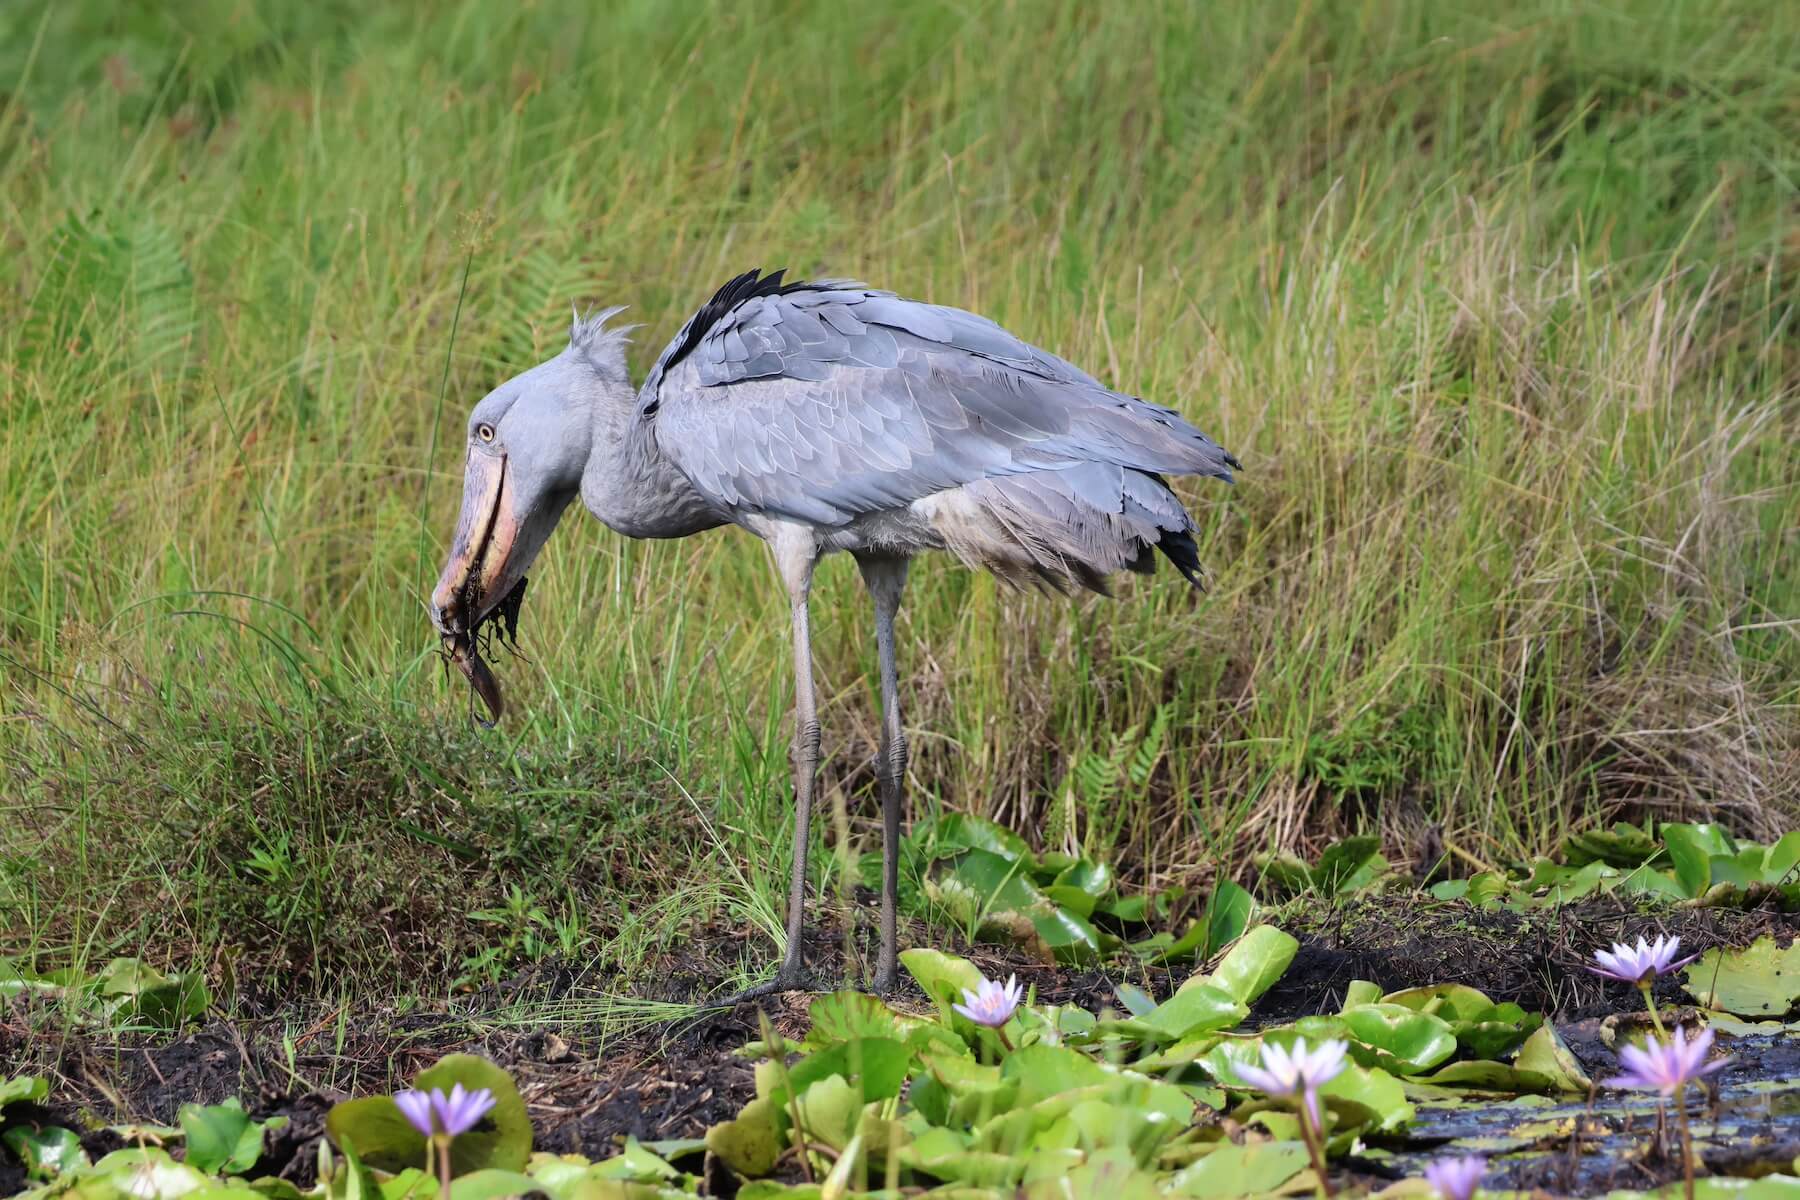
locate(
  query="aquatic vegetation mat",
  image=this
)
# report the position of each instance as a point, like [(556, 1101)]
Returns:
[(1072, 1082)]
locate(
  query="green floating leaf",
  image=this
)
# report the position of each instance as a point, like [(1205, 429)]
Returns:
[(46, 1152), (750, 1143), (1761, 980), (977, 884), (1233, 1170), (1489, 1076), (1349, 864), (1410, 1041), (1692, 849), (1545, 1054), (1552, 883), (1621, 846), (490, 1183), (1375, 1092), (1252, 965), (1227, 915), (1196, 1008), (1045, 1070), (139, 991), (840, 1016), (944, 977), (142, 1172), (1482, 1028), (1069, 938), (1090, 878), (27, 1089), (880, 1064), (960, 831), (384, 1139), (223, 1138), (828, 1110), (1451, 1001), (1070, 899)]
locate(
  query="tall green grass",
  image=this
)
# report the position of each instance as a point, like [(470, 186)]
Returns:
[(1496, 307)]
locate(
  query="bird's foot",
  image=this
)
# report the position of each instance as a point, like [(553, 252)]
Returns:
[(788, 979), (883, 983)]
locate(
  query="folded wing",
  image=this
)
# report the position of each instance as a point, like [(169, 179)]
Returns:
[(827, 401)]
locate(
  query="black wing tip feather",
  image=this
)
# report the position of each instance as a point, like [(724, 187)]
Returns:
[(735, 291), (1179, 547)]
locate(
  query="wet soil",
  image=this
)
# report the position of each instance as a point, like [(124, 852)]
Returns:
[(1537, 959), (588, 1083)]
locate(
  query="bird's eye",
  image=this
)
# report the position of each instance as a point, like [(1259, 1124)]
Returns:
[(485, 432)]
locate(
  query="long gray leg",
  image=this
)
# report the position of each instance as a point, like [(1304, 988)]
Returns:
[(886, 578), (796, 552)]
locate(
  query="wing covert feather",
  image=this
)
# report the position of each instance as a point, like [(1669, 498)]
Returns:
[(824, 402)]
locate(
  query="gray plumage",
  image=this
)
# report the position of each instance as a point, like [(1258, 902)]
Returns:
[(836, 402), (829, 416)]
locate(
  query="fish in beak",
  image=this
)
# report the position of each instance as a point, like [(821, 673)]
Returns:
[(483, 581)]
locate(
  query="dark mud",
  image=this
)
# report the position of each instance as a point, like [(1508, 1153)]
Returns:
[(588, 1086), (1536, 959)]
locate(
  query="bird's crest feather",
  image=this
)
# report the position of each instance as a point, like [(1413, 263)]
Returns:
[(603, 349)]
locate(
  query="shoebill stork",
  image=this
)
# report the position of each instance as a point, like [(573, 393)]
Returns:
[(820, 417)]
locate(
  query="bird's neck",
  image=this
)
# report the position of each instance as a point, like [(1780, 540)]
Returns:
[(630, 484)]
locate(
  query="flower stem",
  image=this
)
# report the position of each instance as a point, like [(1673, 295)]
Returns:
[(1004, 1040), (1650, 1003), (443, 1163), (1315, 1145), (1687, 1139)]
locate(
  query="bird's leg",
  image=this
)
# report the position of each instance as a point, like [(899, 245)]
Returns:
[(886, 578), (806, 768), (795, 557)]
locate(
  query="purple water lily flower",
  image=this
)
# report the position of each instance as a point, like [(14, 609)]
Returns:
[(433, 1113), (1667, 1066), (416, 1108), (993, 1003), (1456, 1178), (1297, 1072), (1641, 964)]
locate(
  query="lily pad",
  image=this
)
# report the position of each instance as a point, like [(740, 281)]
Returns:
[(1411, 1041), (1252, 965), (46, 1152), (23, 1088), (1489, 1076), (1692, 849), (385, 1140), (1545, 1054), (1762, 980), (1192, 1010), (751, 1142), (1621, 846), (944, 977), (223, 1138), (138, 991), (877, 1065), (1233, 1170), (962, 831)]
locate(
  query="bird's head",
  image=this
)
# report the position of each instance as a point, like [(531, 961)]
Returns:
[(528, 443)]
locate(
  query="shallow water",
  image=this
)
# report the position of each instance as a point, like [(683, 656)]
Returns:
[(1748, 1125)]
